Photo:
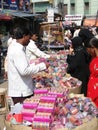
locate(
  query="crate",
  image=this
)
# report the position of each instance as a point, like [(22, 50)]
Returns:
[(76, 90), (3, 101)]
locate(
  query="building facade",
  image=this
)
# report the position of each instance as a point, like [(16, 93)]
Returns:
[(84, 7)]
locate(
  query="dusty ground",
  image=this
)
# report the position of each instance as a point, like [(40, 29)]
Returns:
[(3, 84)]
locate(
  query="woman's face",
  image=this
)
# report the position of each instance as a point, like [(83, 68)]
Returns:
[(91, 51)]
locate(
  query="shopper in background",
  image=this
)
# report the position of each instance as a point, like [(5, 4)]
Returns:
[(32, 51), (77, 30), (20, 85), (86, 35), (92, 90), (78, 63), (67, 38)]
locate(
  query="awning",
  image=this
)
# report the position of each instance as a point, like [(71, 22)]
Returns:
[(36, 1), (5, 17), (22, 14), (90, 22)]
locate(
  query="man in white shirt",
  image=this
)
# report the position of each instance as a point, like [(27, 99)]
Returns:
[(20, 85), (33, 52)]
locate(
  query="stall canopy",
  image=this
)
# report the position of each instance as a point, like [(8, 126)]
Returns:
[(8, 15), (22, 14), (5, 17), (90, 22)]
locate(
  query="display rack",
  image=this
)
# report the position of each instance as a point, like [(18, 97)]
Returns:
[(52, 34)]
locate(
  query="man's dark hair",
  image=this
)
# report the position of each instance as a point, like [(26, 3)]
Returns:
[(19, 32)]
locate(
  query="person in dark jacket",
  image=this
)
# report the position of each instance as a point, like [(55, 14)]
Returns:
[(78, 63)]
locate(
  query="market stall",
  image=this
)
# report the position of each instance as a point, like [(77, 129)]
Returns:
[(54, 106), (52, 35)]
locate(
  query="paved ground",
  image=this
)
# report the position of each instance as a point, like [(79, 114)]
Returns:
[(3, 84)]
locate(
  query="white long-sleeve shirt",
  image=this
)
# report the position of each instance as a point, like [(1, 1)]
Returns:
[(20, 72), (33, 52)]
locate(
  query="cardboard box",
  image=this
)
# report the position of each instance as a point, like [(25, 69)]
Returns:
[(76, 90), (3, 102)]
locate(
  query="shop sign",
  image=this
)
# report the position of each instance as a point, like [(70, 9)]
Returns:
[(77, 19), (8, 4), (36, 1)]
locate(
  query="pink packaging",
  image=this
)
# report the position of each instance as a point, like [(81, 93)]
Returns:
[(59, 95), (45, 109), (41, 125), (30, 105), (30, 119), (48, 98), (42, 119), (40, 91), (28, 112)]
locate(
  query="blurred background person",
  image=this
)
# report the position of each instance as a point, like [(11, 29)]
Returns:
[(32, 51), (92, 90)]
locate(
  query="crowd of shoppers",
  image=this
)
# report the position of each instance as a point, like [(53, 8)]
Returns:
[(82, 62)]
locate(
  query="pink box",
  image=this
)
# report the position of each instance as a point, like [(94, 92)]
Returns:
[(48, 98), (28, 112), (30, 119), (59, 95), (42, 119), (40, 91), (30, 105), (45, 109)]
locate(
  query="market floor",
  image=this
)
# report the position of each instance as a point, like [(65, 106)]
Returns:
[(3, 84)]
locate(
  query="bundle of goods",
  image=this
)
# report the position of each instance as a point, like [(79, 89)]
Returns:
[(56, 74), (41, 113), (73, 84), (56, 80), (29, 108), (56, 110), (77, 111), (42, 81)]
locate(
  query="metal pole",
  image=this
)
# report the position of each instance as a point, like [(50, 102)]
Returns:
[(33, 7), (2, 4), (96, 18)]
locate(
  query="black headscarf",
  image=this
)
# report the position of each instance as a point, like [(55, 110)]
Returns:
[(77, 42), (86, 36)]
